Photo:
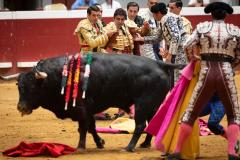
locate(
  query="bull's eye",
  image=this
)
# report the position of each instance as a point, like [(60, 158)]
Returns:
[(17, 83)]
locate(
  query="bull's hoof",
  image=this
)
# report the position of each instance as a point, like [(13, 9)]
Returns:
[(80, 149), (129, 149), (145, 145), (101, 144)]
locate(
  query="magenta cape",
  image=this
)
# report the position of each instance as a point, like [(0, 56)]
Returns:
[(161, 120)]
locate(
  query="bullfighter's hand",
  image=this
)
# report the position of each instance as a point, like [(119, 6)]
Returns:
[(168, 58), (112, 33), (138, 38), (193, 57), (163, 52), (146, 25), (165, 55), (133, 31), (196, 57)]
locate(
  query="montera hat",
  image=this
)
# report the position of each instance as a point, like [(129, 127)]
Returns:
[(159, 7), (173, 1), (218, 6)]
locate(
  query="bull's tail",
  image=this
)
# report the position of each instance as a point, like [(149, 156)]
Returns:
[(170, 66)]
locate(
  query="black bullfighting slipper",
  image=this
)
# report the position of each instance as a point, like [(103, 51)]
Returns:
[(173, 156), (237, 147), (232, 157), (164, 155)]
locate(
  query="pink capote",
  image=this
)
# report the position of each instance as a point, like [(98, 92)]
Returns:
[(161, 120), (107, 130)]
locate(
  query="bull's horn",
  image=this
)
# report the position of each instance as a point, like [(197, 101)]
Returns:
[(13, 76), (40, 75)]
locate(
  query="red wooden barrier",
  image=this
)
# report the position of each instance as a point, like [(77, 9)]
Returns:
[(27, 37)]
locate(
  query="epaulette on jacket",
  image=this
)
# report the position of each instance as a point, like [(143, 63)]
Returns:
[(86, 25), (204, 27), (83, 24), (185, 20), (111, 27), (233, 30)]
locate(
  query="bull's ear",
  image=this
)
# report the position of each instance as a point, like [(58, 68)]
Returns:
[(40, 75)]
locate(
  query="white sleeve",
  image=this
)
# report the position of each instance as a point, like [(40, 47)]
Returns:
[(191, 2), (205, 2), (118, 5)]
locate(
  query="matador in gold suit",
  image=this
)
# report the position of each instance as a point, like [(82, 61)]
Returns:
[(90, 32), (122, 41)]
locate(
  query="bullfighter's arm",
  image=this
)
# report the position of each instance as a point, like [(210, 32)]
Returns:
[(153, 39), (191, 45), (237, 56), (94, 41), (187, 26), (172, 27)]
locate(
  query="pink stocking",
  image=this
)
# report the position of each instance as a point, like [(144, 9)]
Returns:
[(232, 135), (184, 132)]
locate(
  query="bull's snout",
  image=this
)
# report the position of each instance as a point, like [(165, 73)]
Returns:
[(22, 107)]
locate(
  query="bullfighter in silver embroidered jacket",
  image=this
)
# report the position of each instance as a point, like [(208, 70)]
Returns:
[(150, 49), (219, 44), (172, 32)]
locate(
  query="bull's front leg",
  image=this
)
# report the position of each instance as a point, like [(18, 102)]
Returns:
[(148, 139), (147, 142), (82, 130), (140, 123), (136, 135), (92, 129)]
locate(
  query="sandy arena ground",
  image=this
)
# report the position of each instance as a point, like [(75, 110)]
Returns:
[(42, 125)]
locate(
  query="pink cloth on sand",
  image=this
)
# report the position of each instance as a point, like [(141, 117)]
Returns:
[(204, 130), (107, 130)]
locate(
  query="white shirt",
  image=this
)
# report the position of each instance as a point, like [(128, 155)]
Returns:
[(115, 5), (191, 2)]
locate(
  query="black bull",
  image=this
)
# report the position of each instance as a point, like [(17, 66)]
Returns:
[(115, 80)]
